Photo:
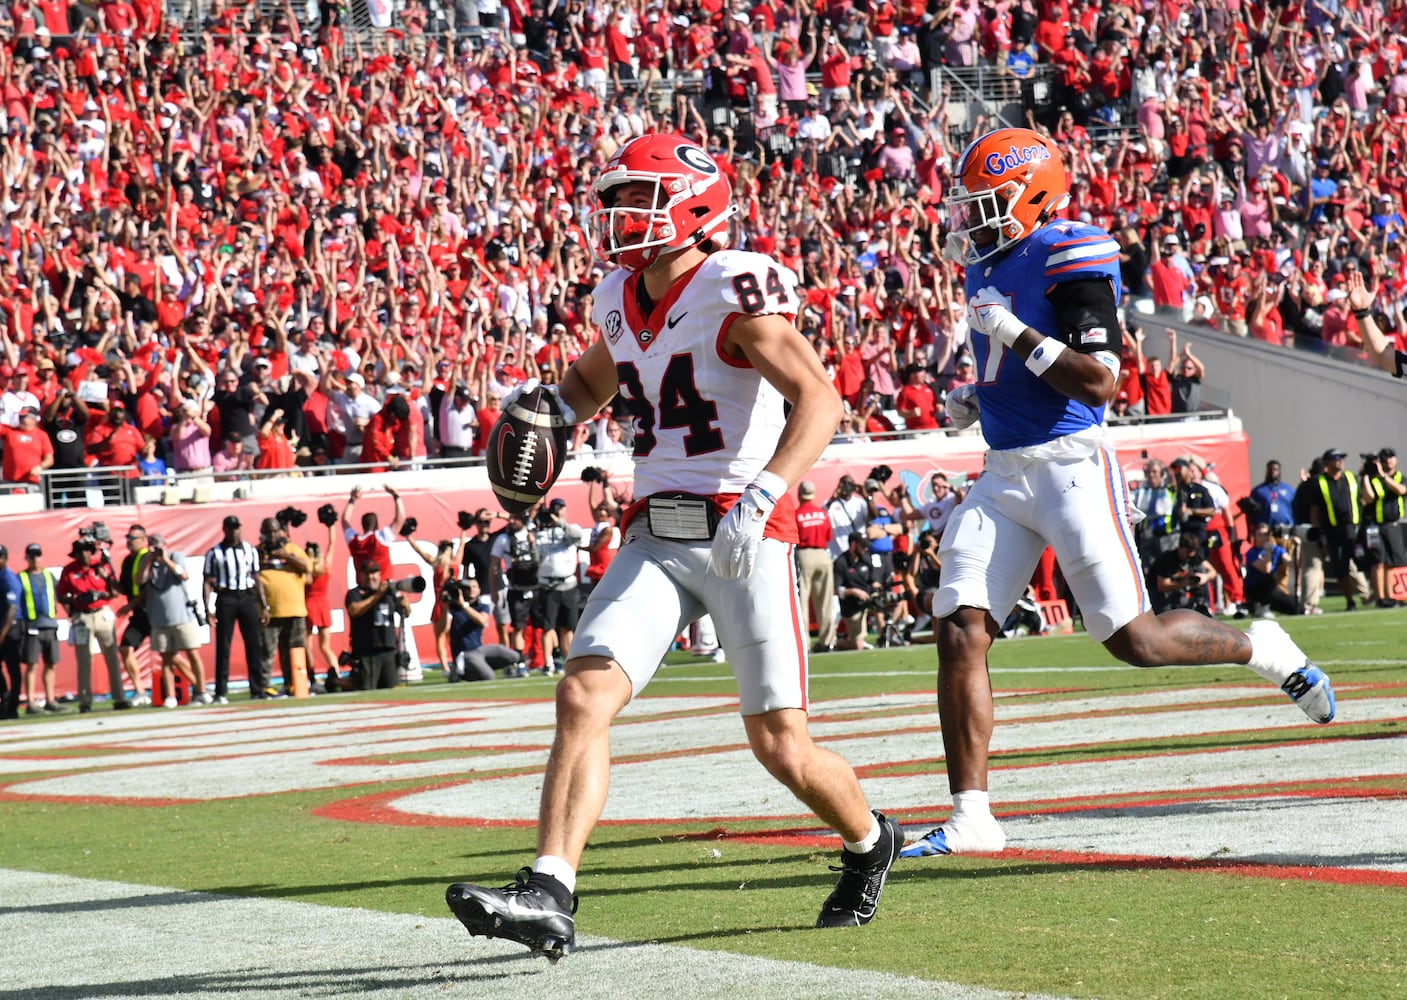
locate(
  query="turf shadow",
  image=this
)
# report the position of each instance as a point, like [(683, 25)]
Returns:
[(90, 905), (255, 982)]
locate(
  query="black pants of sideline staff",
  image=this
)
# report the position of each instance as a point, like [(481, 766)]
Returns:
[(240, 608), (11, 673), (375, 671)]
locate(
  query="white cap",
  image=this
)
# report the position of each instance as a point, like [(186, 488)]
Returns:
[(1335, 294), (356, 379)]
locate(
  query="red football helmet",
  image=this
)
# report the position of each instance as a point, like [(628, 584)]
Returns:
[(1010, 181), (691, 200)]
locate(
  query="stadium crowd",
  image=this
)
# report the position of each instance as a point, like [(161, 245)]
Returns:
[(255, 241)]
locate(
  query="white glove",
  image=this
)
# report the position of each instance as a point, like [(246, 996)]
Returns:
[(739, 534), (955, 249), (987, 313), (962, 408), (567, 414)]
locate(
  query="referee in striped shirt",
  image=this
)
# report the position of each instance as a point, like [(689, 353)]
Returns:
[(232, 575)]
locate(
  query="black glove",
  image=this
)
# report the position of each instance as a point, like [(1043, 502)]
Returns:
[(408, 527), (327, 515)]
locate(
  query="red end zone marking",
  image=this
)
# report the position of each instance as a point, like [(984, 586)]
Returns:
[(374, 809)]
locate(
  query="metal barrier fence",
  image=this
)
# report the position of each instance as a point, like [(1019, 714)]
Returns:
[(94, 486)]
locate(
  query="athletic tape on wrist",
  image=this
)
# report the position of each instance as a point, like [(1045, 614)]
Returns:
[(1044, 356), (770, 485)]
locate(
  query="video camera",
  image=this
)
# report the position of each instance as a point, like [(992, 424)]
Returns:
[(453, 590), (327, 515), (291, 517), (884, 600), (95, 532)]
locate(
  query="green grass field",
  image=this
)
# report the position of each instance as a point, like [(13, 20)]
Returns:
[(1306, 898)]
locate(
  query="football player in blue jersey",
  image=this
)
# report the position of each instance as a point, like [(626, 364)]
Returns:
[(1042, 293)]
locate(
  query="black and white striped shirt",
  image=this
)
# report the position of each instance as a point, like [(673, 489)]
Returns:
[(232, 567)]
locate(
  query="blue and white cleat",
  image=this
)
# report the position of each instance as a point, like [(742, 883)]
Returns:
[(971, 835), (1309, 688), (931, 844)]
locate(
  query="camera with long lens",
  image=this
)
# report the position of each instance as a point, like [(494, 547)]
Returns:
[(408, 585)]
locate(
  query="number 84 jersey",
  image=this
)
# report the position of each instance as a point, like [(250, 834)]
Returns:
[(705, 422)]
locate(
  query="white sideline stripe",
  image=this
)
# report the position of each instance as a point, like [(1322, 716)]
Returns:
[(63, 937)]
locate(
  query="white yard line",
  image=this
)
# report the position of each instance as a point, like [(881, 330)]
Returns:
[(64, 938)]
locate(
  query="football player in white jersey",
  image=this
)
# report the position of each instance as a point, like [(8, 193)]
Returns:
[(699, 341), (1041, 294)]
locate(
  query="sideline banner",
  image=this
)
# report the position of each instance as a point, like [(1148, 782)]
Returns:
[(435, 500)]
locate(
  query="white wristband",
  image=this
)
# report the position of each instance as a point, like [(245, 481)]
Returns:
[(770, 485), (1040, 360)]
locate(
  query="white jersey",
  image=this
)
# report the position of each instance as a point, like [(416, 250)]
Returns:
[(704, 422)]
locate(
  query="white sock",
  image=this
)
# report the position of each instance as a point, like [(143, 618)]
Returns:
[(549, 864), (1274, 654), (972, 829), (974, 804), (867, 844)]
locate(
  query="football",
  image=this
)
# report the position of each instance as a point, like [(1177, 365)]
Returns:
[(524, 454)]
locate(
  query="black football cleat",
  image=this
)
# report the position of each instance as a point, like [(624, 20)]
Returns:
[(856, 896), (532, 911)]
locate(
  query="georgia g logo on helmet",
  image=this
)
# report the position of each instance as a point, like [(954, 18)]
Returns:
[(1008, 183), (687, 200), (695, 158)]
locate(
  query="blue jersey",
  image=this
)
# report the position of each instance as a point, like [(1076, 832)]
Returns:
[(1020, 409)]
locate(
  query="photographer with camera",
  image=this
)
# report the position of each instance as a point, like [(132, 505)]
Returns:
[(234, 595), (469, 612), (173, 620), (857, 584), (87, 590), (515, 551), (1385, 498), (848, 512), (558, 605), (925, 569), (1180, 577), (1268, 584), (283, 570), (373, 607), (882, 528), (315, 596)]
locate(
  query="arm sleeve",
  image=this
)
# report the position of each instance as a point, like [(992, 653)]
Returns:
[(1088, 312)]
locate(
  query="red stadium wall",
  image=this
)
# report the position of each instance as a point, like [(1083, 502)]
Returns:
[(192, 529)]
